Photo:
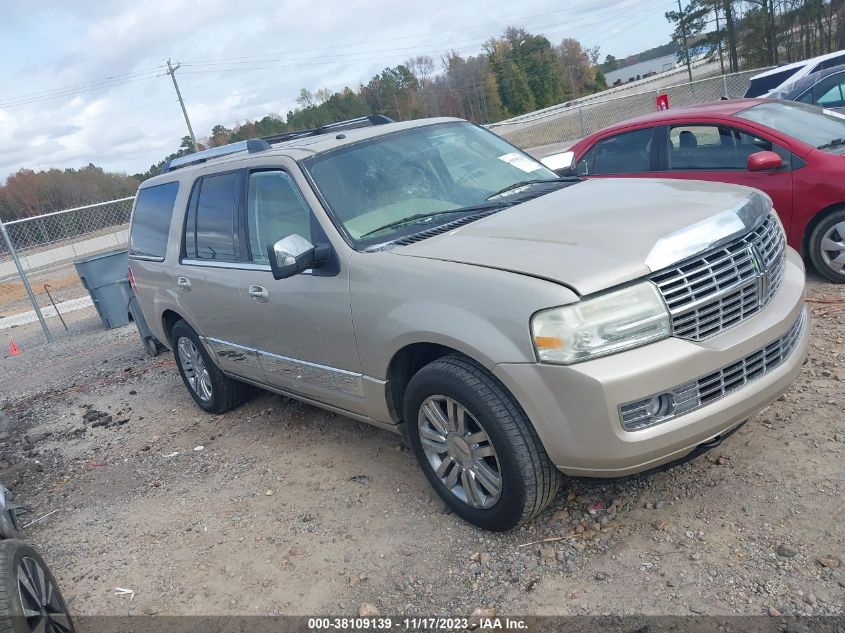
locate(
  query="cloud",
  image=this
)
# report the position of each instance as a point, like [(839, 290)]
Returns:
[(131, 118)]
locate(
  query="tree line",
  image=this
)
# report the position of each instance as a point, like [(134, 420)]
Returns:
[(27, 193), (515, 73), (758, 33)]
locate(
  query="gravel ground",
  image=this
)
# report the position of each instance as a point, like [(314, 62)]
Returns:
[(278, 507)]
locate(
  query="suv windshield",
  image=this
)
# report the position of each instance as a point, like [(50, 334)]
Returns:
[(398, 184), (810, 124)]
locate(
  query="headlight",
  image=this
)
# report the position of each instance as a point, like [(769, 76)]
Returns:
[(608, 323)]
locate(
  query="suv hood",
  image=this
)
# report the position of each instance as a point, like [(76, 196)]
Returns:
[(601, 232)]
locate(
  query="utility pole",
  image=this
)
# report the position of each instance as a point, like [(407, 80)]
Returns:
[(171, 70), (683, 31), (721, 59)]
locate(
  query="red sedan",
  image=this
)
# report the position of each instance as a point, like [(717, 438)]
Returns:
[(792, 151)]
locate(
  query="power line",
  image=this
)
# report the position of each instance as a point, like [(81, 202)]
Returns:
[(394, 39), (269, 64), (107, 82)]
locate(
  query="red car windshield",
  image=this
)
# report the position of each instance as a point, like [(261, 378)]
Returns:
[(809, 124)]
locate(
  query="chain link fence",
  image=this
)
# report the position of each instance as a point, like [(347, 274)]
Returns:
[(46, 247), (554, 129)]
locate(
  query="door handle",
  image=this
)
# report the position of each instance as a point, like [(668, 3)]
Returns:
[(184, 283), (258, 293)]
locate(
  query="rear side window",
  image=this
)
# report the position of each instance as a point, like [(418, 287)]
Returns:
[(151, 220), (210, 230)]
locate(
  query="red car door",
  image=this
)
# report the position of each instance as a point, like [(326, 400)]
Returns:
[(719, 152), (632, 154)]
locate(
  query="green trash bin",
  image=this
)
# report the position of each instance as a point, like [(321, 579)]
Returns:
[(105, 278)]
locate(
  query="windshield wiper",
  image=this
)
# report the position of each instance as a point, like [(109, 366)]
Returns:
[(833, 143), (425, 216), (524, 183)]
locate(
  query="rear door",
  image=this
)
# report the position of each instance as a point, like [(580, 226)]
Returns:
[(719, 152), (632, 154), (207, 276)]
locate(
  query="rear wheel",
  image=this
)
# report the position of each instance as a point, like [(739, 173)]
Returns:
[(210, 388), (476, 445), (827, 246), (30, 600)]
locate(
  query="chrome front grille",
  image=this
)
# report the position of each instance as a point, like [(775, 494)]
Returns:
[(712, 292), (697, 393)]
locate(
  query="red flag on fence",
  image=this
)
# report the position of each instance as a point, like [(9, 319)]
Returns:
[(14, 350), (663, 102)]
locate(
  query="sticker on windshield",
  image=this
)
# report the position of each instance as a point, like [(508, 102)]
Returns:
[(838, 115), (520, 162)]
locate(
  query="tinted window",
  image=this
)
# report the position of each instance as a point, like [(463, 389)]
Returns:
[(275, 209), (713, 147), (761, 86), (830, 63), (151, 220), (830, 92), (215, 217), (627, 153)]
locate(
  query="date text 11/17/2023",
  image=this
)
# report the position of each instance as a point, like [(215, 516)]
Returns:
[(349, 624)]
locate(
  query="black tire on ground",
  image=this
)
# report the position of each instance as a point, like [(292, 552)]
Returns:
[(815, 245), (530, 480), (16, 604), (226, 393)]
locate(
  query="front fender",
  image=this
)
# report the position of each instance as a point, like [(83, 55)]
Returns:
[(481, 312)]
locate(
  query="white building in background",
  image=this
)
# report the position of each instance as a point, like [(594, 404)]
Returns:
[(641, 69)]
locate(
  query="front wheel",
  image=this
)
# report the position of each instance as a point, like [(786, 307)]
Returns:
[(827, 246), (30, 600), (476, 446)]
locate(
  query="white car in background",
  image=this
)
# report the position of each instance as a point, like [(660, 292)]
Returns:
[(764, 84)]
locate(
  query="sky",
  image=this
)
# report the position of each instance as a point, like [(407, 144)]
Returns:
[(84, 81)]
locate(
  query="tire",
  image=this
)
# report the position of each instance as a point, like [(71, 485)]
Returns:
[(528, 481), (211, 389), (22, 602), (831, 227)]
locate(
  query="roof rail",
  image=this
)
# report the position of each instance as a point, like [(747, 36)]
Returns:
[(253, 145), (350, 124)]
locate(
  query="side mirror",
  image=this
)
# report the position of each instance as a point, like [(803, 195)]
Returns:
[(764, 161), (294, 254), (561, 163)]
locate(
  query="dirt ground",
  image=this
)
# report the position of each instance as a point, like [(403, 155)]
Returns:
[(281, 508)]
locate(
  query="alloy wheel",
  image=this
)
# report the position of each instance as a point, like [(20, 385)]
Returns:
[(833, 248), (194, 367), (459, 451), (43, 608)]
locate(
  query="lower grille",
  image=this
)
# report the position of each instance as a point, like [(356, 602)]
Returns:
[(720, 383), (674, 402)]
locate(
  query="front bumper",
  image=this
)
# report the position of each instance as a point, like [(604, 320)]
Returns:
[(575, 408)]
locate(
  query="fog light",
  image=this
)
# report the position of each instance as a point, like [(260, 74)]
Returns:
[(660, 405)]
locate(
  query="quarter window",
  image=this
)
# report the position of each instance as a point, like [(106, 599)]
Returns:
[(151, 220), (275, 209), (215, 218), (626, 153)]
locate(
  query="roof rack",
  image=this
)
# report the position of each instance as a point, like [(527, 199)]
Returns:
[(350, 124), (253, 145)]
